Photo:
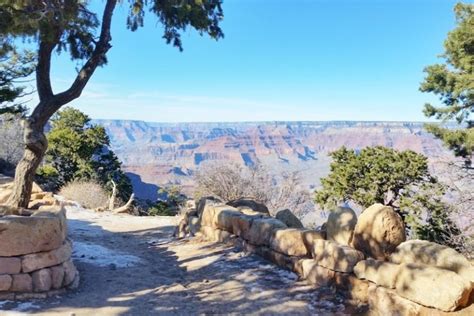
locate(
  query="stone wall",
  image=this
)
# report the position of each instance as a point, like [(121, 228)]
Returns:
[(35, 255), (367, 258)]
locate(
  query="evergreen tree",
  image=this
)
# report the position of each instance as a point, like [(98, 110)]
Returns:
[(400, 179), (453, 82), (79, 150)]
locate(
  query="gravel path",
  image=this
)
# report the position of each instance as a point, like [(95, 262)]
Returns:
[(131, 266)]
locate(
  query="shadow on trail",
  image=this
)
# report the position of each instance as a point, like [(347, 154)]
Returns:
[(217, 279)]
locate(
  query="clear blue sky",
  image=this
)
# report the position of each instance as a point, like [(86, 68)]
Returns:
[(279, 60)]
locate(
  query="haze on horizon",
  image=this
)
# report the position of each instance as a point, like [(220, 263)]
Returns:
[(300, 61)]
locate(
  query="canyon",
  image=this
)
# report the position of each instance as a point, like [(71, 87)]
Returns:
[(157, 154)]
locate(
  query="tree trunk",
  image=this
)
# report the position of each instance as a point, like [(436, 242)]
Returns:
[(35, 148)]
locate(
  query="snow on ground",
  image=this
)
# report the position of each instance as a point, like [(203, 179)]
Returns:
[(102, 256)]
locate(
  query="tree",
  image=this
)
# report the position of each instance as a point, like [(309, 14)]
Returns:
[(79, 150), (14, 68), (70, 26), (453, 82), (400, 179)]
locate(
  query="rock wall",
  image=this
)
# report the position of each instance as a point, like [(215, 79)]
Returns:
[(35, 255), (388, 274)]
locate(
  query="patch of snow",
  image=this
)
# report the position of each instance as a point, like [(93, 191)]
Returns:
[(22, 307), (102, 256)]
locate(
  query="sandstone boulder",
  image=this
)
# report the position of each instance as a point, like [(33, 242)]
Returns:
[(5, 282), (57, 276), (246, 203), (340, 225), (36, 261), (336, 257), (379, 272), (378, 231), (433, 287), (262, 230), (24, 235), (10, 265), (206, 201), (70, 272), (225, 219), (433, 254), (241, 226), (289, 242), (289, 219), (194, 224), (309, 236), (316, 274), (42, 280), (22, 283)]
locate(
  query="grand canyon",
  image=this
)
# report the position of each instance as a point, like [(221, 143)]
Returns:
[(156, 154)]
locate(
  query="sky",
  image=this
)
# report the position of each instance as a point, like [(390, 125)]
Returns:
[(280, 60)]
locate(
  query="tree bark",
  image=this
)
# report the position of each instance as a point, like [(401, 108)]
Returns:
[(35, 148)]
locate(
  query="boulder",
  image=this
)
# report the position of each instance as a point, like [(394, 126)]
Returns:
[(5, 282), (262, 230), (246, 203), (4, 195), (433, 254), (378, 231), (241, 226), (432, 287), (316, 274), (22, 283), (42, 280), (340, 225), (336, 257), (194, 224), (289, 219), (24, 235), (51, 258), (379, 272), (225, 219), (70, 272), (289, 242), (206, 201), (309, 236), (10, 265), (57, 276), (207, 215)]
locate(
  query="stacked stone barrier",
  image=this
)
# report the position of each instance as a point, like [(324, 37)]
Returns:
[(367, 258), (35, 255)]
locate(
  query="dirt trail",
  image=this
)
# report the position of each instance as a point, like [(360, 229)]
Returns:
[(131, 266)]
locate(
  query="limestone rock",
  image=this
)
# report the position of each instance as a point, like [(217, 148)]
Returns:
[(194, 224), (70, 272), (378, 231), (10, 265), (309, 236), (340, 225), (57, 276), (289, 242), (40, 260), (41, 280), (336, 257), (289, 219), (433, 287), (316, 274), (433, 254), (4, 195), (23, 235), (5, 282), (22, 283), (246, 203), (380, 272), (262, 230)]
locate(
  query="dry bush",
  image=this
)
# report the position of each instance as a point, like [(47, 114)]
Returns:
[(230, 181), (89, 194)]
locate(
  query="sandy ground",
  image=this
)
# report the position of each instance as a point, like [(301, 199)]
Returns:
[(132, 266)]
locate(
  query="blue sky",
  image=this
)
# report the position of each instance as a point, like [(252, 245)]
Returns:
[(279, 60)]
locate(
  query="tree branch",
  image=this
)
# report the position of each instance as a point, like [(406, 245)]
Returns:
[(46, 109)]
